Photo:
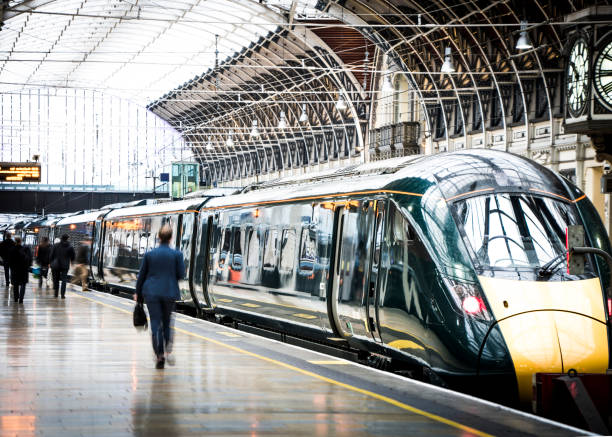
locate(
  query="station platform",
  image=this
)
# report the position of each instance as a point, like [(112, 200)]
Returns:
[(77, 367)]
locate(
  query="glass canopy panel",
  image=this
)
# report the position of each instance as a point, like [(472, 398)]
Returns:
[(137, 49)]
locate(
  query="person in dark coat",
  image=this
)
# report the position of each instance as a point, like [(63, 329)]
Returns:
[(62, 255), (157, 284), (81, 271), (5, 249), (43, 255), (20, 260)]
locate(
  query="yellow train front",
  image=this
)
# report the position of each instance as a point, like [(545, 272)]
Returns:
[(495, 225)]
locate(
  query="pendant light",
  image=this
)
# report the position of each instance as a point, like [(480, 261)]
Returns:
[(254, 130), (282, 122), (523, 42), (447, 66), (340, 104), (209, 145), (303, 115), (230, 140)]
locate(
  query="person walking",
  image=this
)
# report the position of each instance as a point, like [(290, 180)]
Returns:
[(81, 271), (42, 258), (157, 285), (20, 259), (5, 250), (62, 255)]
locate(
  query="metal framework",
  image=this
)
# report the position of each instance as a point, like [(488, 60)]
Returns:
[(283, 56)]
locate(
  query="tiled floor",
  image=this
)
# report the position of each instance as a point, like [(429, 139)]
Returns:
[(78, 367)]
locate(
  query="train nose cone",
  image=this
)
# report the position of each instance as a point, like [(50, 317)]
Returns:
[(550, 326), (553, 341)]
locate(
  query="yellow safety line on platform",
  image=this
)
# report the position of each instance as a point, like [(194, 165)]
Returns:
[(383, 398), (229, 334)]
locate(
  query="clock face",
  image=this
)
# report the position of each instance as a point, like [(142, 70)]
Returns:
[(603, 75), (577, 77)]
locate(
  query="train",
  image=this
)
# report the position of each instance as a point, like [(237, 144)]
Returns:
[(439, 263)]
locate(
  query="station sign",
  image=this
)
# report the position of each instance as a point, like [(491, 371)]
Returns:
[(19, 172)]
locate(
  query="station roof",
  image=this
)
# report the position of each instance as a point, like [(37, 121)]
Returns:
[(141, 49)]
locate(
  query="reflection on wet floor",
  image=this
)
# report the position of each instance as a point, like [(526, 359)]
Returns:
[(76, 367)]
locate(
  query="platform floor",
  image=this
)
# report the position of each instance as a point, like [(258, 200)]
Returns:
[(77, 367)]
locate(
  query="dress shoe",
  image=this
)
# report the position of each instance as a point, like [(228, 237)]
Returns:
[(63, 297), (20, 300), (160, 364)]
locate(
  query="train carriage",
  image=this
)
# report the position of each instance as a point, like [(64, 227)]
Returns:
[(128, 233), (81, 230), (436, 261)]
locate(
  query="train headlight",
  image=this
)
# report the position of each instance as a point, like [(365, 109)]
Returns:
[(468, 298)]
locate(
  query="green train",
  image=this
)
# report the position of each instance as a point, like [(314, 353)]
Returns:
[(441, 263)]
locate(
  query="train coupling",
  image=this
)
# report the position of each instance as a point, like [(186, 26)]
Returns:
[(582, 400)]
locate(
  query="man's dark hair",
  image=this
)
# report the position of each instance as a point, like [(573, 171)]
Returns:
[(65, 237)]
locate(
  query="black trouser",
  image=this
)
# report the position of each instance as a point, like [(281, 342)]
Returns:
[(43, 274), (7, 273), (160, 312), (59, 275), (19, 292)]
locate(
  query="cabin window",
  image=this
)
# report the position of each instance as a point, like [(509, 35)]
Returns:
[(288, 250), (253, 254)]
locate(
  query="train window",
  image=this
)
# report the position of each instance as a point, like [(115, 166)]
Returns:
[(270, 249), (308, 251), (238, 242), (142, 247), (514, 231), (287, 258), (253, 248)]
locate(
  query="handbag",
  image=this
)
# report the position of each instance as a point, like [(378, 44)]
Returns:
[(140, 317)]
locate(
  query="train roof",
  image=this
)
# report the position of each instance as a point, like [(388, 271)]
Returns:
[(81, 218), (477, 171), (167, 207), (373, 176), (455, 174)]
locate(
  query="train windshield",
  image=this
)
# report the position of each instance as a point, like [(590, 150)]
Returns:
[(515, 232)]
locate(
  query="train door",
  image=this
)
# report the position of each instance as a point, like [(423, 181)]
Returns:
[(377, 239), (348, 300), (96, 251), (183, 243), (203, 259)]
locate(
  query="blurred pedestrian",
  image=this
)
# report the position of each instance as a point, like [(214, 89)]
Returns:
[(20, 259), (157, 284), (81, 271), (5, 249), (42, 258), (62, 254)]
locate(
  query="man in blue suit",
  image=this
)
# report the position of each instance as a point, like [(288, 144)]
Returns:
[(157, 284)]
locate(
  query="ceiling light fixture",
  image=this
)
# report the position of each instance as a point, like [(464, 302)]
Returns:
[(448, 66), (282, 122), (209, 145), (254, 130), (523, 42), (340, 104), (303, 115), (230, 140)]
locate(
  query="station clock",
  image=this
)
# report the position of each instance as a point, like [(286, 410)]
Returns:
[(588, 77), (602, 75), (577, 77)]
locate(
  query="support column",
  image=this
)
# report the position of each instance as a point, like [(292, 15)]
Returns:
[(592, 189)]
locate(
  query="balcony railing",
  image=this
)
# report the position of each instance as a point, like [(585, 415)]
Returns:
[(396, 140)]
